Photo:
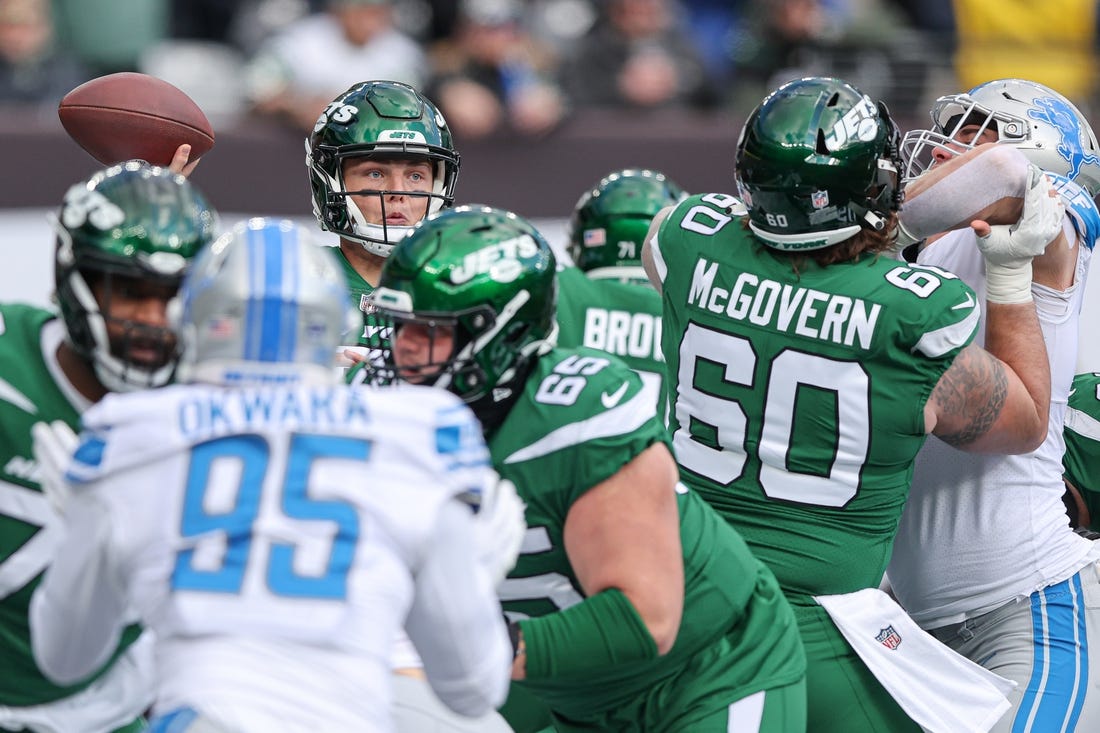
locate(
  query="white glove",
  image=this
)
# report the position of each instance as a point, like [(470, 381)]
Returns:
[(1009, 248), (500, 526), (54, 445)]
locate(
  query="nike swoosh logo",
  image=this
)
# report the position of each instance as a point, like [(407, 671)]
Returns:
[(968, 303), (610, 400)]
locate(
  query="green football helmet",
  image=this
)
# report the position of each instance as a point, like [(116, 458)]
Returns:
[(129, 222), (816, 161), (384, 119), (489, 275), (610, 222)]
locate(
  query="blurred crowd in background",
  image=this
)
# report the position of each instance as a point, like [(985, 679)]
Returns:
[(525, 66)]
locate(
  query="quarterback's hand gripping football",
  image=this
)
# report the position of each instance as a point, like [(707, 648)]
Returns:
[(1009, 248), (501, 525), (54, 445)]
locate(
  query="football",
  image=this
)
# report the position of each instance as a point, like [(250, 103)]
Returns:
[(129, 115)]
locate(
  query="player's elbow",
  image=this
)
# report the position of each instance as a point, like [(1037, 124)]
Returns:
[(472, 695), (1033, 434), (663, 625), (52, 654), (664, 633)]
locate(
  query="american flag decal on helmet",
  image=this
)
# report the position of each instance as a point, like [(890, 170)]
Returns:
[(221, 328), (594, 237), (888, 638)]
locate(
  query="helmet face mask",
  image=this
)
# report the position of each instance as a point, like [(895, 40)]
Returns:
[(382, 120), (817, 161), (1045, 126), (485, 275), (610, 222), (125, 237), (263, 304)]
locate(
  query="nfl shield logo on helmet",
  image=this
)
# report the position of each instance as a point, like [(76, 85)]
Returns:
[(819, 199), (888, 638), (594, 237)]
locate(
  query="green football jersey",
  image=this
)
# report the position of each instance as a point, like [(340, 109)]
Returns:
[(620, 318), (581, 417), (1081, 461), (798, 398), (28, 394), (377, 333)]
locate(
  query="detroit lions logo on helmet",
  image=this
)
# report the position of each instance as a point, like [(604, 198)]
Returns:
[(1060, 115)]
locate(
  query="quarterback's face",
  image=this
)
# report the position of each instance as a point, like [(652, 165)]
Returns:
[(421, 350), (397, 181)]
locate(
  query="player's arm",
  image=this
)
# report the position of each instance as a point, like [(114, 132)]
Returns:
[(79, 610), (650, 249), (623, 541), (1076, 508), (982, 404), (981, 188), (455, 620)]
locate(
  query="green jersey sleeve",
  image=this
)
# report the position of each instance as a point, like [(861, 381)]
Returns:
[(1081, 462)]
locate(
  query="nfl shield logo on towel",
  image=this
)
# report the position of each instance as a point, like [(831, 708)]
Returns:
[(888, 638), (820, 199)]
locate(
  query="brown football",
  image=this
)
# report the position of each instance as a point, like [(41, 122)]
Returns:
[(129, 115)]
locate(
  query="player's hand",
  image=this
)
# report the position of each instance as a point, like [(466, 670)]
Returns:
[(54, 445), (1009, 248), (181, 161), (347, 357), (1039, 224), (500, 525)]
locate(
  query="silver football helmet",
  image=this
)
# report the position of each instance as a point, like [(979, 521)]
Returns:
[(1040, 122), (263, 304)]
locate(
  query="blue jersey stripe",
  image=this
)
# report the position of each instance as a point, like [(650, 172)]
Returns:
[(1054, 695), (292, 293), (271, 327), (253, 333)]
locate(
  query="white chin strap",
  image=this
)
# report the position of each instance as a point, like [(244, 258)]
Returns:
[(377, 239)]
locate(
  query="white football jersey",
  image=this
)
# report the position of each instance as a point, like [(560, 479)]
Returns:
[(277, 540), (980, 530)]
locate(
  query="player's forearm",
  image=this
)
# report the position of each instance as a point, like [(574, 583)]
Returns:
[(986, 183), (77, 613), (1013, 335), (455, 621), (602, 631)]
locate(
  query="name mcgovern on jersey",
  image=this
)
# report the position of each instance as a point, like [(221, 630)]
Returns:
[(788, 308)]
